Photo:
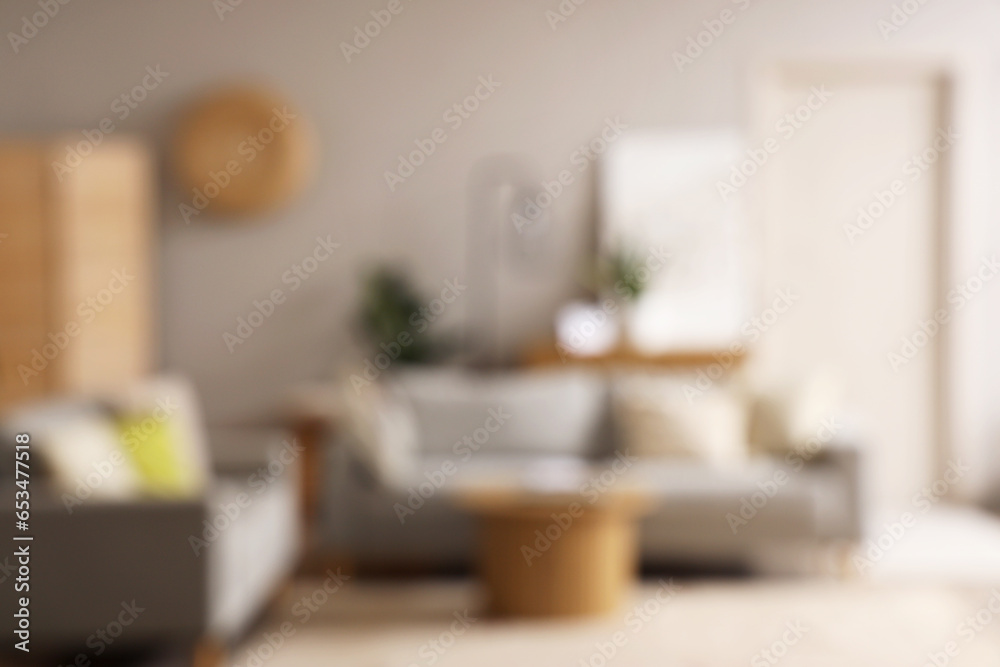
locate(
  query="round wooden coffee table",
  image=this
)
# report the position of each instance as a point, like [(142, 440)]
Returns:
[(556, 554)]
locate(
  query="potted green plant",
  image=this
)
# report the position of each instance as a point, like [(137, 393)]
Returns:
[(624, 276), (388, 306)]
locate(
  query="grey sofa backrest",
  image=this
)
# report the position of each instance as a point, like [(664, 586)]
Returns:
[(564, 412)]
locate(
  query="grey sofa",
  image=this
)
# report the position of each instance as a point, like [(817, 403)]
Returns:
[(734, 516), (143, 557)]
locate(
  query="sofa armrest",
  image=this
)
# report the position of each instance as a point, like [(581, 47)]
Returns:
[(843, 457), (89, 565)]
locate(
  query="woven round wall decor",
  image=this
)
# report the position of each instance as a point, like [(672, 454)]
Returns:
[(242, 151)]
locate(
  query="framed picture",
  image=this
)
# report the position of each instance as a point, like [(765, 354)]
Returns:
[(661, 196)]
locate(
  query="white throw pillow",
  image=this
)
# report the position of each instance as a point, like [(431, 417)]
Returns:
[(381, 428), (788, 416), (86, 461), (657, 418)]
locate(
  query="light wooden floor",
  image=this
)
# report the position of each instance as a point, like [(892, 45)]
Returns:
[(937, 588), (720, 623)]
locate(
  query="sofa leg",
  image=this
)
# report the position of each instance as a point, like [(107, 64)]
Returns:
[(282, 598), (834, 559), (210, 653), (847, 571)]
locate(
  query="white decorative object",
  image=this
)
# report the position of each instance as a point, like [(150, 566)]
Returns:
[(587, 329)]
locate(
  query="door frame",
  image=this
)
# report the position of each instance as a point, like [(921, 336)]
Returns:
[(958, 419)]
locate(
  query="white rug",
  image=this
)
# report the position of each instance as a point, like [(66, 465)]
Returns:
[(950, 543), (789, 622)]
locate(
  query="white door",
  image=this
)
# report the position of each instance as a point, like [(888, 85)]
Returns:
[(850, 204)]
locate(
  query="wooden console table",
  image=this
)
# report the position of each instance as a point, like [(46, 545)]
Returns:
[(548, 354)]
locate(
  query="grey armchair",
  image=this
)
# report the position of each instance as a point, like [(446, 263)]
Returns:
[(113, 575)]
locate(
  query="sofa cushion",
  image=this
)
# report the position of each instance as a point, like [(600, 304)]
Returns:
[(162, 461), (660, 416), (541, 412), (80, 450), (254, 549), (381, 428), (76, 437), (168, 399)]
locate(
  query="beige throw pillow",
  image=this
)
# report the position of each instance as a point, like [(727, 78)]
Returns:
[(657, 420)]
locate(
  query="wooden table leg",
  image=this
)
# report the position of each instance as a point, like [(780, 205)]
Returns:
[(311, 435)]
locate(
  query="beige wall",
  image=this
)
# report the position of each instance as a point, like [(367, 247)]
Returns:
[(557, 88)]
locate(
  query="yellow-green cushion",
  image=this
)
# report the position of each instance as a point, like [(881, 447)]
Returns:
[(159, 457)]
